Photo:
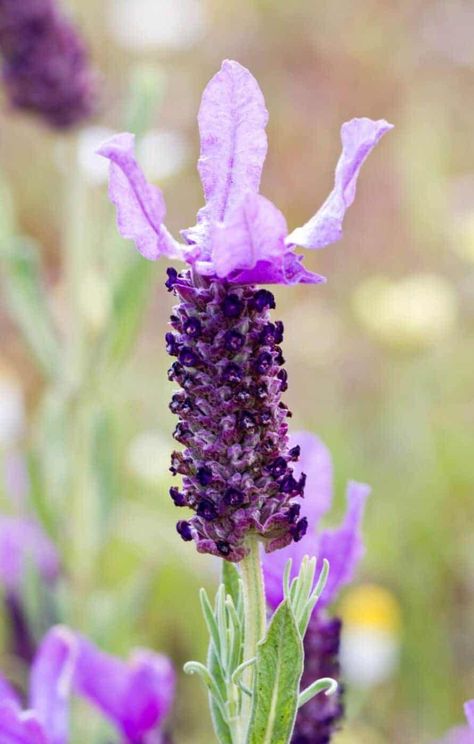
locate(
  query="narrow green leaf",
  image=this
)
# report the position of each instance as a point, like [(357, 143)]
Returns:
[(221, 727), (232, 581), (28, 303), (279, 667), (210, 620), (325, 684)]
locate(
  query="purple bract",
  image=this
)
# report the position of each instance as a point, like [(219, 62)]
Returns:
[(45, 63), (343, 548), (240, 235), (462, 734)]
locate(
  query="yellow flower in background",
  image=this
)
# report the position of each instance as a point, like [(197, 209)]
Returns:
[(417, 311), (371, 635)]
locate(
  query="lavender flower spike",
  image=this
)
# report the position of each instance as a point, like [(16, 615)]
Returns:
[(240, 236), (45, 63), (343, 548), (237, 465)]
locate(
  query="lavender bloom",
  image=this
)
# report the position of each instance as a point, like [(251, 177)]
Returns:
[(462, 734), (240, 235), (236, 465), (45, 63), (317, 720), (135, 696)]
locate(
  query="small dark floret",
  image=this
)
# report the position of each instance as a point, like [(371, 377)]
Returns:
[(204, 475), (232, 373), (234, 497), (232, 306), (295, 452), (207, 510), (184, 529), (278, 467), (223, 547), (262, 300), (293, 513), (298, 530), (264, 362), (171, 345), (247, 420), (192, 327), (172, 278), (188, 357), (179, 498), (283, 377), (233, 340), (279, 328)]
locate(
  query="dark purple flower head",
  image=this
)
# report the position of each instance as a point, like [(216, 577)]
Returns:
[(232, 422), (135, 696), (45, 63), (240, 236), (318, 719)]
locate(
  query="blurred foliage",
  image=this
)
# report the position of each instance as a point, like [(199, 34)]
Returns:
[(379, 365)]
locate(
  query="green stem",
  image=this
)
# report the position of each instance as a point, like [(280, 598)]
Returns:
[(255, 617)]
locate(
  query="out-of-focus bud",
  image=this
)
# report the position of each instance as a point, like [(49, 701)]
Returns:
[(371, 635), (157, 24), (148, 457), (94, 169), (12, 410), (164, 151), (415, 312), (95, 300)]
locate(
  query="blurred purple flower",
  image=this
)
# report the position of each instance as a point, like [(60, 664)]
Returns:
[(23, 543), (462, 734), (46, 720), (23, 547), (240, 235), (136, 697), (343, 548), (45, 63), (237, 465)]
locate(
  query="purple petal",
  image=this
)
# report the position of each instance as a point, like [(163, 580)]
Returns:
[(232, 120), (7, 693), (135, 696), (359, 137), (287, 271), (255, 231), (140, 205), (150, 693), (458, 735), (22, 541), (50, 682), (343, 547), (469, 711), (315, 461), (17, 727)]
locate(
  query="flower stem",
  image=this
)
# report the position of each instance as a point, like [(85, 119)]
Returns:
[(255, 617)]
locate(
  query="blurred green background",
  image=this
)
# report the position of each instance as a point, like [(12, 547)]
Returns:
[(380, 359)]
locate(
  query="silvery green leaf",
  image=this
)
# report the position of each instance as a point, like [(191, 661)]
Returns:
[(219, 722), (231, 579), (279, 667)]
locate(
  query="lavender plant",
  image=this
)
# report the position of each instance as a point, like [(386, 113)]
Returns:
[(46, 68), (237, 465)]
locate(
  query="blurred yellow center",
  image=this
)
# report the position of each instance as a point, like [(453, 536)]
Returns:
[(371, 606)]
